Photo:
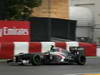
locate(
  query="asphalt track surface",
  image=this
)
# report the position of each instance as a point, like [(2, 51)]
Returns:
[(92, 66)]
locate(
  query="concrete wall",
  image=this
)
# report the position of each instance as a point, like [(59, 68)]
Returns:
[(97, 12), (82, 2), (84, 32), (52, 8), (94, 6), (97, 22)]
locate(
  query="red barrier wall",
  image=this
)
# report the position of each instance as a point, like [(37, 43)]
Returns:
[(61, 44), (34, 47), (9, 49), (6, 50), (90, 49)]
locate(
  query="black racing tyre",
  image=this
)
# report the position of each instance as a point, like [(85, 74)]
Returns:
[(81, 60), (35, 59)]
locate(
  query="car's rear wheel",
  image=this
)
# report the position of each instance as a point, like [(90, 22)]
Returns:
[(81, 60)]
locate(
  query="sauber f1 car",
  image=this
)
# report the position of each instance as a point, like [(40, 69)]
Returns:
[(56, 55)]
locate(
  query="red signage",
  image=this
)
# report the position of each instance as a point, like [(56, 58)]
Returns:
[(11, 31)]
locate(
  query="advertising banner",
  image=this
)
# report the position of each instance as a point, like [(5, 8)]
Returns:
[(11, 31)]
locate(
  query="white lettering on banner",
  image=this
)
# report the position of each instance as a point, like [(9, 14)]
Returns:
[(0, 32), (13, 31)]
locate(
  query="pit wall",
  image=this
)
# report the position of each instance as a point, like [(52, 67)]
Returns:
[(10, 49)]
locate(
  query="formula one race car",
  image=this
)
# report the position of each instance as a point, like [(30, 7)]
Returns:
[(55, 56)]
